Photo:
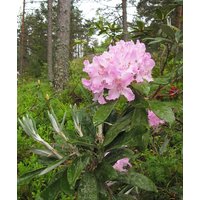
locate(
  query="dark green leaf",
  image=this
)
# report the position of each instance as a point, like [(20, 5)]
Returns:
[(162, 110), (105, 172), (82, 143), (139, 101), (103, 192), (121, 125), (125, 197), (133, 138), (139, 117), (58, 184), (76, 168), (103, 112), (140, 25), (51, 191), (159, 14), (84, 92), (88, 188), (168, 31), (86, 122), (158, 40)]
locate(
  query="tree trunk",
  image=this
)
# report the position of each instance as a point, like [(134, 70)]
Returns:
[(62, 45), (22, 35), (124, 17), (178, 17), (49, 48)]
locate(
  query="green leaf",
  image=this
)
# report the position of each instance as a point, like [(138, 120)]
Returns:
[(125, 197), (103, 192), (162, 110), (30, 175), (91, 31), (140, 103), (159, 14), (132, 138), (58, 184), (105, 172), (139, 180), (39, 172), (86, 123), (51, 191), (103, 112), (168, 31), (140, 25), (52, 166), (161, 81), (178, 36), (64, 184), (88, 188), (76, 168), (84, 92), (139, 118), (158, 40), (121, 125), (143, 88), (82, 142)]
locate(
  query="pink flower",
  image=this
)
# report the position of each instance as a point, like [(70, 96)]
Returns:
[(122, 164), (154, 121), (120, 87), (115, 70)]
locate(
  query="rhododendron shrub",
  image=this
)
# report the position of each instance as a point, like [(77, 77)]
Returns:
[(96, 159), (115, 70)]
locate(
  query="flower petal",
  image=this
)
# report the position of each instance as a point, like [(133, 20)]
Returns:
[(113, 94), (127, 92)]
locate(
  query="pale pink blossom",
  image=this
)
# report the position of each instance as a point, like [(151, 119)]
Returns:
[(122, 165), (154, 121), (111, 74)]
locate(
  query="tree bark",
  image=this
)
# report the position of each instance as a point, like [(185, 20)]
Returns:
[(22, 35), (124, 17), (179, 16), (49, 48), (62, 45)]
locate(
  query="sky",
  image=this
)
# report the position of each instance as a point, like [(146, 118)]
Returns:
[(87, 7)]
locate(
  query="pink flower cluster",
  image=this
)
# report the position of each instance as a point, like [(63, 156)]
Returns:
[(154, 121), (115, 70), (122, 164)]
